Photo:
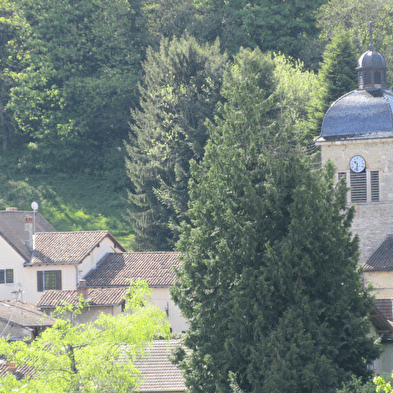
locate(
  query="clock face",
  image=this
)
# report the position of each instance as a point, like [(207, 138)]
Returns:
[(357, 164)]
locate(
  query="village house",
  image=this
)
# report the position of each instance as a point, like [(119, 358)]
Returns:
[(36, 262)]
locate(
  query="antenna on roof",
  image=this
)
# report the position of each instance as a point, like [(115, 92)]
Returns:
[(34, 206)]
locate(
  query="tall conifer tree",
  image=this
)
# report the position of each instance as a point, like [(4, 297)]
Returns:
[(181, 88), (269, 279), (337, 77)]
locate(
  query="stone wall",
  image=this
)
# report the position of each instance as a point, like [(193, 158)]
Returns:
[(373, 220)]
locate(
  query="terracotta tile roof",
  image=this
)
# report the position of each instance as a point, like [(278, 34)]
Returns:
[(20, 372), (382, 259), (158, 373), (23, 314), (97, 296), (119, 269), (66, 247), (13, 231)]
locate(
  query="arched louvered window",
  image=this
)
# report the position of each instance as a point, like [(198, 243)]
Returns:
[(367, 79), (377, 79)]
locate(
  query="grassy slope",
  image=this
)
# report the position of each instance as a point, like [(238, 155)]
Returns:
[(69, 203)]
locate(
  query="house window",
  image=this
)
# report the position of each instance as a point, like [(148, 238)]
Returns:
[(7, 276), (48, 279)]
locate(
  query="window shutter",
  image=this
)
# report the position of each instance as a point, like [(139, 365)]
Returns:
[(342, 175), (58, 279), (2, 278), (40, 281), (358, 187), (375, 186)]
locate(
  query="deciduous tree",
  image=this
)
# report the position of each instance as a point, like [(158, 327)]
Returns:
[(73, 97), (91, 357)]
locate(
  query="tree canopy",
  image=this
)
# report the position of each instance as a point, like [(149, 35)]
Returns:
[(91, 357), (269, 277), (336, 77), (180, 91), (353, 17), (72, 98)]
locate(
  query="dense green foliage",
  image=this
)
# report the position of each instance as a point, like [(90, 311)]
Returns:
[(337, 77), (285, 26), (180, 91), (75, 203), (89, 357), (384, 384), (354, 16), (170, 129), (356, 385), (74, 94), (269, 277)]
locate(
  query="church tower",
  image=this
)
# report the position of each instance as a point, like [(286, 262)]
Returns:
[(357, 135)]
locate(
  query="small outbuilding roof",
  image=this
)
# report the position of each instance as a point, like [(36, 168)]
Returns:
[(386, 307), (382, 259), (95, 297), (115, 270), (23, 314), (158, 372)]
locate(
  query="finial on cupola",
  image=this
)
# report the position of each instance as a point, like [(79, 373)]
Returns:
[(371, 45)]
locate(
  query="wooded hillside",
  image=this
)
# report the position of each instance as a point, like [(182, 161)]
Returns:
[(88, 86)]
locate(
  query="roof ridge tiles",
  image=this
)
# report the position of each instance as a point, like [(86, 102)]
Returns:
[(75, 232)]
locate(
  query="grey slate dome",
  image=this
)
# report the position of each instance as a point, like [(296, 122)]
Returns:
[(360, 114)]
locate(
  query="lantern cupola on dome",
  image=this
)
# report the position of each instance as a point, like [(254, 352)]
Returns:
[(371, 68)]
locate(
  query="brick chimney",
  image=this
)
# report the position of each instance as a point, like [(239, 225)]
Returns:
[(11, 366), (82, 289), (29, 232)]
